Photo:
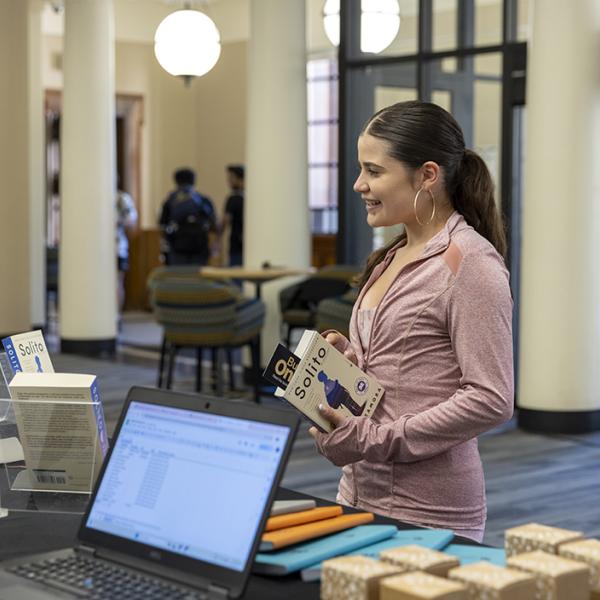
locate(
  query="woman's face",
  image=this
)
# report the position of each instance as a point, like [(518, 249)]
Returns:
[(385, 184)]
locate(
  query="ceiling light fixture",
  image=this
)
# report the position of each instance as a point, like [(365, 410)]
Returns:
[(379, 23), (187, 44)]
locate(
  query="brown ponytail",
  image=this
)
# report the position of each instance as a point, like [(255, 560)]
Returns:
[(416, 132), (474, 199)]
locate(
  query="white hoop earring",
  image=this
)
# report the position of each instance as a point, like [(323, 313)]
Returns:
[(415, 207)]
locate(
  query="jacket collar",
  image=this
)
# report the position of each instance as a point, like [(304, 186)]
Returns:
[(437, 244)]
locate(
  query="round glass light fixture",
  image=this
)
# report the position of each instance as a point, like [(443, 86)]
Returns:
[(187, 43), (379, 23)]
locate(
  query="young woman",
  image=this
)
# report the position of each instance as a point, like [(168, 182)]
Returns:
[(432, 324)]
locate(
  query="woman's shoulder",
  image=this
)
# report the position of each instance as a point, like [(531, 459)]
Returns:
[(477, 253), (473, 244)]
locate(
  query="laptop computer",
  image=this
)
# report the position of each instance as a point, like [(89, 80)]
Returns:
[(178, 508)]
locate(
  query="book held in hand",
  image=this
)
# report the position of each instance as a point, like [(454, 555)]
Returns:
[(316, 373)]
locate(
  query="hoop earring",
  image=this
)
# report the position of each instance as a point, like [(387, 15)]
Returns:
[(415, 207)]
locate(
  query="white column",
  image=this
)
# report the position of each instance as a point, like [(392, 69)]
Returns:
[(37, 191), (87, 271), (276, 216), (14, 156), (559, 374)]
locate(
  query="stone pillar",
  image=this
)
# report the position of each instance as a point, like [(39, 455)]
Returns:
[(37, 190), (559, 371), (87, 270), (15, 313), (276, 216)]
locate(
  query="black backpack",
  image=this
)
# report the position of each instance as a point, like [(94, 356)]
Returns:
[(187, 230)]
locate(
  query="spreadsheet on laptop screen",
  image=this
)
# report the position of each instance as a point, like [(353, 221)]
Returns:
[(189, 482)]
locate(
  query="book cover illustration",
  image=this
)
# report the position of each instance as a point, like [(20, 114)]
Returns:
[(28, 353), (316, 373)]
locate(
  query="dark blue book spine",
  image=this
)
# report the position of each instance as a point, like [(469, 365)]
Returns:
[(102, 435), (15, 365)]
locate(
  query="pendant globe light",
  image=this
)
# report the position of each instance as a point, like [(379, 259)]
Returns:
[(379, 23), (187, 44)]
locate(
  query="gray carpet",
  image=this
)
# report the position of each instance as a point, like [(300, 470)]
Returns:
[(530, 477)]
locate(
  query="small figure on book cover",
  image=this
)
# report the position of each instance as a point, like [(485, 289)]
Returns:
[(337, 395)]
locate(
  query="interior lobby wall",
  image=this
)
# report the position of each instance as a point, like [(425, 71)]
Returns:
[(202, 126), (14, 167)]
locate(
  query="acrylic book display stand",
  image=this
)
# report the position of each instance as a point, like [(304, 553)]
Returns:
[(49, 457)]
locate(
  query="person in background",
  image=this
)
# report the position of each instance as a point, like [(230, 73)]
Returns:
[(126, 219), (187, 218), (432, 324), (234, 214)]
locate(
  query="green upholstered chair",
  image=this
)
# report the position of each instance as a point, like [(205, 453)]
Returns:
[(335, 313), (202, 313), (298, 302)]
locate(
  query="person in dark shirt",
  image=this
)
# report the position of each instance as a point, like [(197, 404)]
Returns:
[(234, 214), (186, 220)]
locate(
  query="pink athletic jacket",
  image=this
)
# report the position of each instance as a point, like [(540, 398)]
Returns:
[(441, 346)]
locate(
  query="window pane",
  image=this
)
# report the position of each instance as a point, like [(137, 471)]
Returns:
[(488, 22), (444, 27), (388, 95), (322, 100), (322, 186), (321, 67), (524, 16), (474, 96), (322, 143)]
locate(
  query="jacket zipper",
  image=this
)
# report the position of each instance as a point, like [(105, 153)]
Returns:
[(367, 354)]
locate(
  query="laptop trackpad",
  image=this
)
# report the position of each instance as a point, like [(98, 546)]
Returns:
[(25, 592)]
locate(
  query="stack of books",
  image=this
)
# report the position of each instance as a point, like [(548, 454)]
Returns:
[(300, 540)]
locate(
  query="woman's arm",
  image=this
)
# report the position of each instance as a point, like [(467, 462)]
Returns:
[(480, 328)]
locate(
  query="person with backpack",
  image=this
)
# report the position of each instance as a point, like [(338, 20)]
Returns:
[(186, 220)]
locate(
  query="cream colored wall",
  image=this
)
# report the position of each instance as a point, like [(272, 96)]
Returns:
[(202, 126), (14, 163)]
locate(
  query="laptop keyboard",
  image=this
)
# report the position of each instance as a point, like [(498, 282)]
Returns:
[(88, 578)]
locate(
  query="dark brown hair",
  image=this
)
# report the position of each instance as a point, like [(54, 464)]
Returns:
[(417, 132)]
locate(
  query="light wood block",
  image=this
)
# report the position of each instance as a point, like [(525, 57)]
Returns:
[(485, 580), (418, 558), (419, 585), (353, 578), (557, 578), (533, 536), (588, 552)]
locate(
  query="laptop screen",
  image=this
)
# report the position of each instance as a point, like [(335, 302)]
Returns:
[(189, 482)]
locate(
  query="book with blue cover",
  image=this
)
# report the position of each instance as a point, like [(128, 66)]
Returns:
[(27, 352), (472, 554), (300, 556), (436, 539)]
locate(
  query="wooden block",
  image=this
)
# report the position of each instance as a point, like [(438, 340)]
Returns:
[(557, 578), (353, 578), (588, 552), (533, 536), (418, 558), (485, 580), (419, 585)]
